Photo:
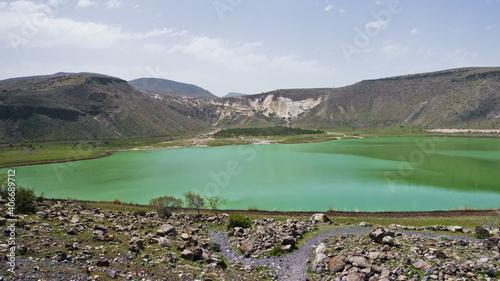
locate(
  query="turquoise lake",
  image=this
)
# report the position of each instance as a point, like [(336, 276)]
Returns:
[(372, 174)]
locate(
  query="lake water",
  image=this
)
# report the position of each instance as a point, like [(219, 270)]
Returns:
[(372, 174)]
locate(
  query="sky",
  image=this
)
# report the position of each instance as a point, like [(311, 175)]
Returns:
[(247, 46)]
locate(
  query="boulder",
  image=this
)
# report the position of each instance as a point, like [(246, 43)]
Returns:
[(378, 234), (337, 264), (185, 236), (197, 254), (187, 254), (75, 219), (320, 253), (289, 240), (482, 232), (389, 241), (319, 218), (166, 230), (72, 231), (247, 246), (419, 264), (136, 244), (360, 262), (455, 228), (354, 277)]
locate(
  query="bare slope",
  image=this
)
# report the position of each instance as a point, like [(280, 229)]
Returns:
[(170, 88), (458, 98), (84, 106)]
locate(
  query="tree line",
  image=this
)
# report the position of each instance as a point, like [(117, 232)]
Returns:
[(265, 131)]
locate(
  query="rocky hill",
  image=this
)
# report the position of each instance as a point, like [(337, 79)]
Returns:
[(92, 106), (233, 94), (84, 106), (171, 88), (458, 98)]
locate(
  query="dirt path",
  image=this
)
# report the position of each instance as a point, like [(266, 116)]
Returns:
[(293, 266)]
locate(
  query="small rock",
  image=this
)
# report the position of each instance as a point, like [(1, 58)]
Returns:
[(319, 218), (337, 264), (187, 254), (165, 230), (378, 234), (185, 236), (354, 277), (419, 264), (102, 262), (75, 219), (388, 240)]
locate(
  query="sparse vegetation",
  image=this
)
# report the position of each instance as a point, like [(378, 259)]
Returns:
[(238, 220), (276, 250), (215, 201), (194, 200), (164, 205)]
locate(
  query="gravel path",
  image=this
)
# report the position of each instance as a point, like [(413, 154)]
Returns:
[(293, 266)]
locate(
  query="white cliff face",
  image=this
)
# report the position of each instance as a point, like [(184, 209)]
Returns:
[(280, 107), (284, 107)]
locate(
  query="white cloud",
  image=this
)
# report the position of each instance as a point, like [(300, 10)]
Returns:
[(86, 3), (415, 31), (342, 11), (27, 24), (111, 4), (393, 51), (328, 8), (381, 24), (243, 57), (380, 2)]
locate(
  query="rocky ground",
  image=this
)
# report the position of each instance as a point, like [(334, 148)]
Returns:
[(65, 240)]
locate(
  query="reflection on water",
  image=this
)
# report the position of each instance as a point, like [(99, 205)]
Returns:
[(375, 174)]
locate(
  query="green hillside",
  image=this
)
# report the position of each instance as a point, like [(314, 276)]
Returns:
[(84, 106)]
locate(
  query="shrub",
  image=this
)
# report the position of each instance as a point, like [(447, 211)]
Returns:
[(238, 220), (164, 204), (141, 213), (213, 246), (25, 201), (277, 250)]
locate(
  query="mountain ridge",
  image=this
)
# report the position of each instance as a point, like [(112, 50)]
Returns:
[(170, 88), (93, 106)]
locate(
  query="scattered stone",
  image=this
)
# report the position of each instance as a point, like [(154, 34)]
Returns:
[(337, 264), (419, 264), (482, 232), (378, 234), (166, 230), (75, 219), (320, 218), (187, 254)]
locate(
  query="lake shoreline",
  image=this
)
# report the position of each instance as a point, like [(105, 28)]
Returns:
[(332, 214), (196, 144)]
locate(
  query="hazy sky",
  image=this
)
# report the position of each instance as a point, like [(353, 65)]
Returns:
[(247, 46)]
